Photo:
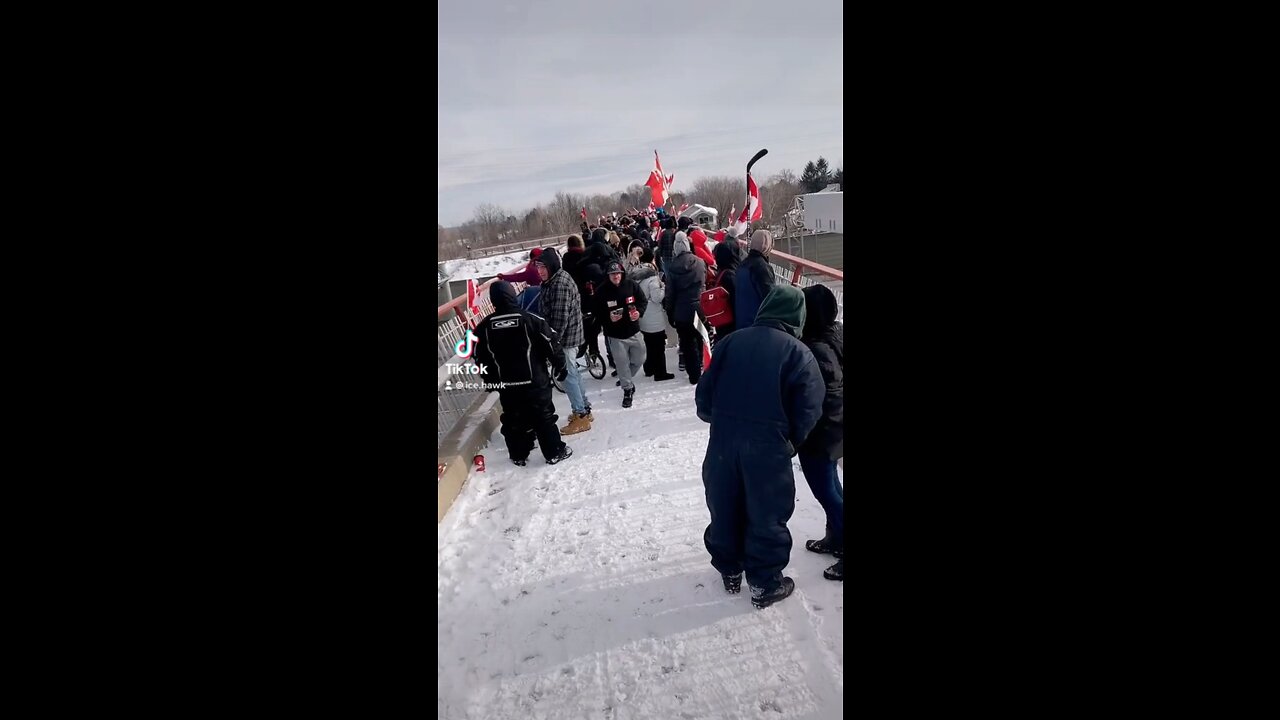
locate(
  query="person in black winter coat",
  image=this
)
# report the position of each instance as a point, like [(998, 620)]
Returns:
[(686, 279), (727, 260), (599, 251), (754, 279), (762, 395), (512, 352), (824, 336), (619, 305), (666, 245), (592, 278)]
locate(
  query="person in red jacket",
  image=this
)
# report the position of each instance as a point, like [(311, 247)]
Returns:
[(697, 241), (530, 277)]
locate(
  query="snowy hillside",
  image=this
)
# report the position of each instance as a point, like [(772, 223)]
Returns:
[(583, 590), (487, 267)]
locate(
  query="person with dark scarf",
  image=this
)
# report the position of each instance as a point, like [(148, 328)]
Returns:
[(763, 396), (727, 260), (512, 352), (824, 336)]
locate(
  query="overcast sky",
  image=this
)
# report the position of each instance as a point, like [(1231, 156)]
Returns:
[(575, 95)]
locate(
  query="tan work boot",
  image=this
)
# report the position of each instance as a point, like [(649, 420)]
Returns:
[(577, 423)]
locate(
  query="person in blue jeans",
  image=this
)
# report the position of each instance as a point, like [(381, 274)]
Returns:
[(561, 307), (824, 336)]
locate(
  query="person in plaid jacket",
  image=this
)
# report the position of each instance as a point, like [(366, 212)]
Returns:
[(561, 306)]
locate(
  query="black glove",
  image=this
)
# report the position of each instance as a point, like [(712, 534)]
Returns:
[(562, 374), (582, 349)]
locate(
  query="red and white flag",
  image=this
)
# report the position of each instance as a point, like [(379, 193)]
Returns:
[(706, 343), (659, 184), (753, 209), (683, 208), (651, 206), (473, 303), (732, 209), (584, 214)]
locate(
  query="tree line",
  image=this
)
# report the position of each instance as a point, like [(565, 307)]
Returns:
[(492, 225)]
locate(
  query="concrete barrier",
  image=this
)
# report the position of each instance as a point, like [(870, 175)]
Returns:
[(460, 446)]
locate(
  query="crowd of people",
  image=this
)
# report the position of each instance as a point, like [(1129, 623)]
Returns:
[(774, 389)]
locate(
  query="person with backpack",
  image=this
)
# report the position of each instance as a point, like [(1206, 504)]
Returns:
[(685, 282), (512, 353), (763, 396), (824, 336), (727, 261)]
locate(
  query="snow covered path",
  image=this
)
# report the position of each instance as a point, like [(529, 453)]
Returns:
[(583, 590)]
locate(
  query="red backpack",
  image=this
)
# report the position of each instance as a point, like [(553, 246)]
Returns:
[(717, 306)]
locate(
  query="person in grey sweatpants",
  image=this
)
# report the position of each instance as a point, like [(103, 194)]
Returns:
[(619, 304)]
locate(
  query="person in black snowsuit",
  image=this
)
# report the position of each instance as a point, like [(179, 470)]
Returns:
[(824, 336), (667, 245), (512, 352), (762, 395)]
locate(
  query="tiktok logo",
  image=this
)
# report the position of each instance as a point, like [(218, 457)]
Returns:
[(466, 345)]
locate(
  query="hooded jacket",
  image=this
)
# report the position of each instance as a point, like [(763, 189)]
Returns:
[(599, 251), (824, 336), (687, 278), (728, 262), (753, 279), (762, 379), (514, 346), (527, 274), (654, 318), (560, 302), (613, 304)]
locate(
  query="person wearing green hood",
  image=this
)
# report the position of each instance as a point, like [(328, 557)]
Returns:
[(762, 395)]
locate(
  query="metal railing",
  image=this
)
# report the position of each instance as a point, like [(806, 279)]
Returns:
[(518, 245), (452, 403), (802, 273)]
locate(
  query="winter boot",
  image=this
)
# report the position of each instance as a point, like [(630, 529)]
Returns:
[(732, 583), (565, 454), (835, 572), (521, 463), (626, 397), (762, 599), (577, 423), (663, 376)]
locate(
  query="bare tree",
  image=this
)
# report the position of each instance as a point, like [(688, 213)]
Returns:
[(720, 193), (564, 212), (489, 221)]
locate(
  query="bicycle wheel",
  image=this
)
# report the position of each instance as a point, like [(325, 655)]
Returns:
[(552, 372), (595, 366)]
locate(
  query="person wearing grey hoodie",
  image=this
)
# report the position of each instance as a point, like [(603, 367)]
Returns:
[(686, 279), (653, 323), (763, 395)]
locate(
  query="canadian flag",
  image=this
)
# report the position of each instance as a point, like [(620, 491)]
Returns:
[(473, 303), (659, 183), (753, 209), (584, 214), (706, 342), (683, 208)]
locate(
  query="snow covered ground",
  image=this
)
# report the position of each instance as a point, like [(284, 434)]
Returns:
[(489, 266), (583, 589)]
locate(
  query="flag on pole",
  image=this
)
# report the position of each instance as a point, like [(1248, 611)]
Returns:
[(584, 214), (706, 342), (753, 209), (658, 182), (683, 208), (473, 304)]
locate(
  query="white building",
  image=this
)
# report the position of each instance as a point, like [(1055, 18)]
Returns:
[(702, 215), (823, 210)]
